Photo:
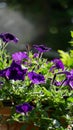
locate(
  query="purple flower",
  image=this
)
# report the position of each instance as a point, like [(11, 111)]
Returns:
[(41, 48), (7, 37), (14, 72), (24, 108), (19, 56), (57, 65), (36, 78), (71, 83), (36, 55), (57, 83), (69, 79), (3, 72)]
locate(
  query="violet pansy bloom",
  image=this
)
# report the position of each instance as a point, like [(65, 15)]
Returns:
[(14, 72), (36, 78), (24, 108), (58, 64), (19, 56), (7, 37), (41, 48)]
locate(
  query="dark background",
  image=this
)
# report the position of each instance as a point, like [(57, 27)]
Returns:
[(54, 16)]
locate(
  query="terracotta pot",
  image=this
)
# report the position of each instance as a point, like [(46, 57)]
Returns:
[(17, 126), (5, 112)]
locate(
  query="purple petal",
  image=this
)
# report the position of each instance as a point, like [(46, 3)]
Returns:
[(36, 78), (14, 72), (36, 55), (52, 69), (24, 108), (58, 64), (71, 72), (41, 48), (71, 84), (19, 56), (57, 83), (19, 109), (7, 37)]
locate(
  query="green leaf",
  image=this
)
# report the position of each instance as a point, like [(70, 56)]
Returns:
[(71, 34), (71, 42), (66, 58), (70, 99), (46, 92)]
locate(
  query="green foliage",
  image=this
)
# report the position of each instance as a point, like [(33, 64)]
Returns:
[(52, 104), (67, 57), (72, 34)]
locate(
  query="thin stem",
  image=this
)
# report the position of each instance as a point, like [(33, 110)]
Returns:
[(63, 72)]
